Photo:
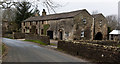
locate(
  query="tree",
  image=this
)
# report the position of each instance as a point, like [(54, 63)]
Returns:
[(95, 12), (23, 12), (112, 21), (49, 4), (9, 14)]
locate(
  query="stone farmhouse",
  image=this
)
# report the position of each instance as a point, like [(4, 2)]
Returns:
[(75, 25)]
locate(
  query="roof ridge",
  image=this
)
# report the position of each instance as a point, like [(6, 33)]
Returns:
[(56, 16)]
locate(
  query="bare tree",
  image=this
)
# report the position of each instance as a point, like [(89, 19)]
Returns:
[(112, 21), (9, 14), (95, 12), (49, 4)]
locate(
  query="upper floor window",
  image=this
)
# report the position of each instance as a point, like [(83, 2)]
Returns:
[(100, 23), (84, 20), (67, 34), (82, 33)]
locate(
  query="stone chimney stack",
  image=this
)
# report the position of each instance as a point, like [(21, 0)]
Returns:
[(36, 14), (43, 12)]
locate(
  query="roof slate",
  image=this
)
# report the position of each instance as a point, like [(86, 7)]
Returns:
[(55, 16)]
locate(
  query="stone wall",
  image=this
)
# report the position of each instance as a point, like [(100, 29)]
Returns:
[(44, 39), (83, 22), (95, 52), (100, 23), (8, 35), (18, 35), (102, 42), (15, 35)]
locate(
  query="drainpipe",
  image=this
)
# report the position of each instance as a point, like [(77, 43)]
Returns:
[(93, 29), (39, 28)]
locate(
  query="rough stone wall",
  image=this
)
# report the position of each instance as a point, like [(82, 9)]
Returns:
[(18, 35), (15, 35), (103, 28), (8, 35), (66, 25), (71, 28), (95, 52), (44, 39), (80, 25)]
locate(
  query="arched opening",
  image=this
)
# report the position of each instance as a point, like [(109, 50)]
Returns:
[(98, 36), (50, 34), (60, 34)]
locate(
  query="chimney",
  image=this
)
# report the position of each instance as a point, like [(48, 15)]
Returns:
[(43, 12), (36, 14)]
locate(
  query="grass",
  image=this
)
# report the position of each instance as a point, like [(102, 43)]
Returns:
[(118, 45), (53, 44), (9, 37), (3, 48), (36, 41)]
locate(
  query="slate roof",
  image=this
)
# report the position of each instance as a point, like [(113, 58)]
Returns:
[(55, 16), (115, 32), (97, 15)]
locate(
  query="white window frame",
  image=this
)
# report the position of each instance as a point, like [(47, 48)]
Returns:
[(82, 34), (84, 20)]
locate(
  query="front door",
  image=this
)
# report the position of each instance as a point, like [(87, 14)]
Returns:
[(61, 36), (50, 34)]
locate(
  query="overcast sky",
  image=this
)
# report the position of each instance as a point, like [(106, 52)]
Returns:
[(107, 7)]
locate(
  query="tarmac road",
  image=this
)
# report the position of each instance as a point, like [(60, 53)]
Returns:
[(21, 51)]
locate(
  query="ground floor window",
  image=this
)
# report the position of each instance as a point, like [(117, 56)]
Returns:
[(82, 34), (36, 31), (42, 31)]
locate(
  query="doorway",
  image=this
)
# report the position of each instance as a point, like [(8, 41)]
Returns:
[(61, 35), (98, 36), (50, 34)]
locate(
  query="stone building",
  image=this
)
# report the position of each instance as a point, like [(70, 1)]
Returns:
[(100, 31), (75, 25), (114, 35)]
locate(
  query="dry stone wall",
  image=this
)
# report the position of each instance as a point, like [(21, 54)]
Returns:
[(96, 52)]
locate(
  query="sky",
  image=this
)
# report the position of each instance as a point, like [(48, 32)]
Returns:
[(107, 7)]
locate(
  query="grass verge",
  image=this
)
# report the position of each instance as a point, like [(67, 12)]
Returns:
[(53, 44), (118, 45), (36, 41), (3, 48)]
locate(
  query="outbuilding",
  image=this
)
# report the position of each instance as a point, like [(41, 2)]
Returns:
[(114, 35)]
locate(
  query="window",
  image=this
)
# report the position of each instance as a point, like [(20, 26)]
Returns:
[(24, 23), (101, 23), (36, 23), (30, 23), (24, 30), (42, 22), (84, 20), (67, 34), (82, 33), (27, 31), (30, 30), (77, 27), (42, 32), (36, 31)]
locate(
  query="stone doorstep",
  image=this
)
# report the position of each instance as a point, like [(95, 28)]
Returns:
[(20, 39), (52, 46)]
